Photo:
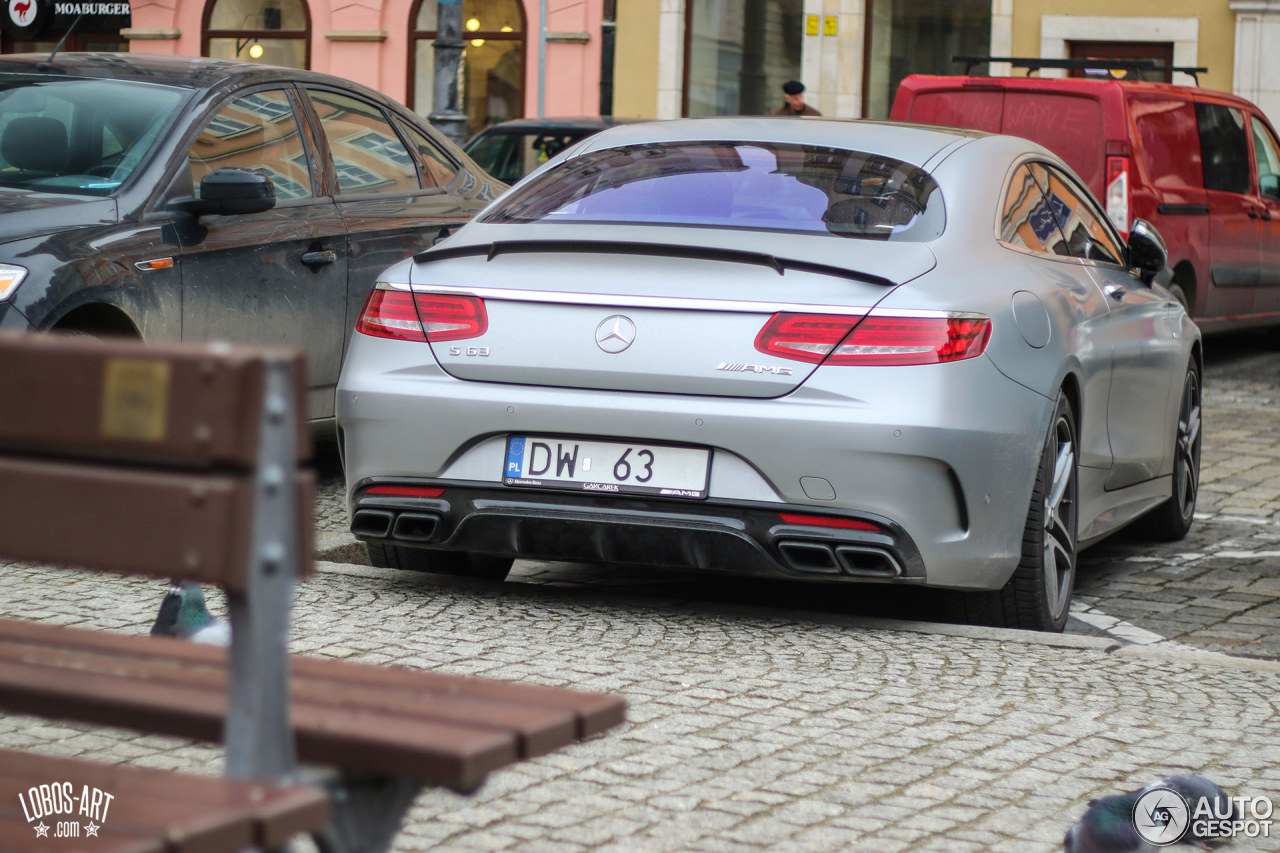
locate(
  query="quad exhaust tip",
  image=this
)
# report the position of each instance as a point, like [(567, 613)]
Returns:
[(826, 559)]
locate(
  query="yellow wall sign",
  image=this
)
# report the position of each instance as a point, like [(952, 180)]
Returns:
[(829, 25), (811, 25)]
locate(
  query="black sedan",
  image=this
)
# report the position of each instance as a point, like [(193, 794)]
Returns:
[(513, 149), (173, 198)]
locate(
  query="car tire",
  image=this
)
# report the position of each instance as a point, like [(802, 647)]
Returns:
[(1170, 521), (461, 563), (1038, 595)]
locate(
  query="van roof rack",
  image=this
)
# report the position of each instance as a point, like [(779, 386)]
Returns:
[(1035, 64)]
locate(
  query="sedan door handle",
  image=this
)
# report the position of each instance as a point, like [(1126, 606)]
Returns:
[(326, 257), (1116, 291)]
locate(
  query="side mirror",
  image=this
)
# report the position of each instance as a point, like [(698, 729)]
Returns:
[(1147, 251), (227, 192)]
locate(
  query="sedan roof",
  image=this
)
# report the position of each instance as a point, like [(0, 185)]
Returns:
[(191, 72), (911, 143)]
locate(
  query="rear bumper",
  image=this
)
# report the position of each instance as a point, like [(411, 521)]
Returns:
[(741, 537), (946, 452)]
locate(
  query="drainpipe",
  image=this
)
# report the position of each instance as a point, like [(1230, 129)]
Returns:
[(448, 45), (542, 58)]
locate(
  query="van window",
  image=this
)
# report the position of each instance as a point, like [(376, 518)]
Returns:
[(1068, 125), (1264, 148), (1026, 220), (1087, 234), (973, 108), (1224, 148), (1170, 140)]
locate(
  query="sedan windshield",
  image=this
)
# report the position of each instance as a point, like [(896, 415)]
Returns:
[(83, 137), (764, 186)]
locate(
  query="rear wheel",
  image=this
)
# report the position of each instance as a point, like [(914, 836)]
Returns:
[(461, 563), (1038, 596), (1170, 521)]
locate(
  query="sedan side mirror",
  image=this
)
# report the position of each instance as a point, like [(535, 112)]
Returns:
[(1147, 251), (229, 191)]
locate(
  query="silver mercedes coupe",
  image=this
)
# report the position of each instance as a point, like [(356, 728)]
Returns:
[(832, 351)]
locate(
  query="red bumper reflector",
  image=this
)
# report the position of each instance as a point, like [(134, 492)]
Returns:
[(406, 491), (828, 521)]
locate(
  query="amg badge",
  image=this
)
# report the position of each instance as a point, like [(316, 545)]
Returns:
[(735, 367)]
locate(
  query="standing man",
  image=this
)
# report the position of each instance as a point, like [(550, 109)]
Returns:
[(793, 94)]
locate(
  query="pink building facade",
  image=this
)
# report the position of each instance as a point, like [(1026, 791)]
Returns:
[(384, 44)]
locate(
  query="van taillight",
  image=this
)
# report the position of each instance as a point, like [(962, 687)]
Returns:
[(422, 317), (1118, 193)]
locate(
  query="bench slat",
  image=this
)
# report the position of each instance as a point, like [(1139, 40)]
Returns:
[(165, 524), (445, 729), (185, 404), (156, 810)]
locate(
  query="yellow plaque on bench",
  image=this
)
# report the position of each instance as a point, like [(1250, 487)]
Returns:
[(135, 399)]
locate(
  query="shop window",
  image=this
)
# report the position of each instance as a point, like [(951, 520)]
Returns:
[(919, 37), (272, 32), (738, 53), (491, 80)]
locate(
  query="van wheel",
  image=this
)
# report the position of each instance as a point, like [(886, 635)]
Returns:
[(461, 563), (1038, 596), (1170, 521)]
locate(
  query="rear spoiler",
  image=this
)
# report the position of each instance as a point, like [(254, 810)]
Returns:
[(1035, 64), (664, 250)]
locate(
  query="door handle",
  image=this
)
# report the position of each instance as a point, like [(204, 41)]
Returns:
[(1253, 214), (1265, 214), (1116, 291), (325, 257)]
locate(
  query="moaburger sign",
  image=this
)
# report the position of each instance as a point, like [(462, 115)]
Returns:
[(28, 20)]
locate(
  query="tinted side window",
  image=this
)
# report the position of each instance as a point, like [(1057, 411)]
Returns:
[(368, 156), (438, 169), (1026, 221), (1170, 142), (1265, 149), (1224, 148), (1082, 222), (257, 132)]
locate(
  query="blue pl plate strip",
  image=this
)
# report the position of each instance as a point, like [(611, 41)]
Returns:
[(515, 456)]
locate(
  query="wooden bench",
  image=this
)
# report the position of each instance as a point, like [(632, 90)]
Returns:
[(181, 462)]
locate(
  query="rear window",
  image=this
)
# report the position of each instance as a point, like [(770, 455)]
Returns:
[(978, 109), (1069, 126), (760, 186), (1170, 142)]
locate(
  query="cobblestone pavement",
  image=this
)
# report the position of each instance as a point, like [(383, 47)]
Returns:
[(750, 728), (1217, 589)]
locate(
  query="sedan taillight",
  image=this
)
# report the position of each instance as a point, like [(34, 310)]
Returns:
[(804, 337), (885, 341), (422, 317), (895, 341)]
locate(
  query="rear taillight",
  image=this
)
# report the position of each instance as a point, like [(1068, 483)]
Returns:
[(447, 317), (895, 341), (422, 316), (390, 314), (1118, 193), (804, 337)]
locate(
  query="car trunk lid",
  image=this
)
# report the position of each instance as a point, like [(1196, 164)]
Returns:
[(652, 316)]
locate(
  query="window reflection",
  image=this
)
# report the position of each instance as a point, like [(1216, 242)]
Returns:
[(257, 132)]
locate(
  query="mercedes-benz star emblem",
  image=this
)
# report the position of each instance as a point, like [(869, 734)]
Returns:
[(616, 333)]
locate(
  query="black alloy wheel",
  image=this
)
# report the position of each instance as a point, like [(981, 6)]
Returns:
[(1170, 521)]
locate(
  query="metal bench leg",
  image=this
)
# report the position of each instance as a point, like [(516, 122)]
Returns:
[(366, 813), (258, 737)]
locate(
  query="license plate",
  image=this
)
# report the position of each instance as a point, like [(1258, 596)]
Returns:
[(607, 466)]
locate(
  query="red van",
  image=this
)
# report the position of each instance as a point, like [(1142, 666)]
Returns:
[(1202, 166)]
